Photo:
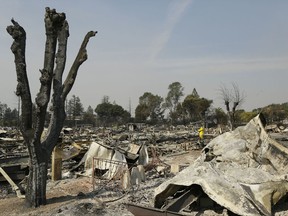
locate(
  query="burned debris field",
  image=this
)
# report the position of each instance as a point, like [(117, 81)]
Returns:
[(163, 151), (144, 170)]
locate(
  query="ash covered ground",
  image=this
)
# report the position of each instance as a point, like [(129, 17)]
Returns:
[(75, 195)]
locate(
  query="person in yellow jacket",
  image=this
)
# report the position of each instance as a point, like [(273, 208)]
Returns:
[(201, 135)]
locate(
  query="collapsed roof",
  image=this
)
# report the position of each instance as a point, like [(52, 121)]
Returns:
[(244, 171)]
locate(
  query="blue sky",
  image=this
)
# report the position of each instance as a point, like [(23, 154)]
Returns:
[(145, 45)]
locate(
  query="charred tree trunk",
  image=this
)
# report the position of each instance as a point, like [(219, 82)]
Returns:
[(229, 115), (36, 185), (230, 97), (40, 150)]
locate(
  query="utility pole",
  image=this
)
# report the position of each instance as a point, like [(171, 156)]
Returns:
[(130, 106)]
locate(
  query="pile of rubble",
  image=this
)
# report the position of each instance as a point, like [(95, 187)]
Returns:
[(244, 171), (130, 171)]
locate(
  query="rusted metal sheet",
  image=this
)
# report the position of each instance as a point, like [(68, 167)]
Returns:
[(144, 211)]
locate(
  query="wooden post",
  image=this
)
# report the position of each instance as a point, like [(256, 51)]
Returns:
[(56, 164)]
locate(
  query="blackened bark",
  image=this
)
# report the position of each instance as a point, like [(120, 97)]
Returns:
[(81, 57), (36, 185), (57, 33), (23, 89), (229, 113), (53, 23)]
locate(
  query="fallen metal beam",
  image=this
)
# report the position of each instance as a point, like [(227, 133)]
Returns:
[(183, 201)]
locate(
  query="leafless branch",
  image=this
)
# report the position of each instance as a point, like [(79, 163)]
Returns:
[(23, 90), (226, 96), (80, 58)]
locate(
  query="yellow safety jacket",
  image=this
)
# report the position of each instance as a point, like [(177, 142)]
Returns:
[(201, 132)]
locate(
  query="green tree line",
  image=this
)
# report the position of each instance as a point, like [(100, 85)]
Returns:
[(8, 117), (175, 108)]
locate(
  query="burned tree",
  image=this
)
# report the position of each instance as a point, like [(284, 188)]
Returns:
[(40, 149), (232, 98)]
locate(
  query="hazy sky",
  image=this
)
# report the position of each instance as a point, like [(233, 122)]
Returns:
[(145, 45)]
